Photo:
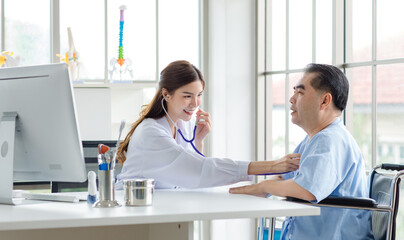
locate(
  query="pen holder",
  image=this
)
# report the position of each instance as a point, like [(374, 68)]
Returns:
[(106, 190)]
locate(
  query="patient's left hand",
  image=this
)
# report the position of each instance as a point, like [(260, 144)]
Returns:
[(255, 190)]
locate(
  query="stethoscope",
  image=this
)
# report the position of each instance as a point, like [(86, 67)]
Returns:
[(179, 130), (193, 138)]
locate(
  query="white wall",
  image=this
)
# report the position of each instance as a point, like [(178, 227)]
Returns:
[(231, 78), (93, 107), (231, 93), (101, 109)]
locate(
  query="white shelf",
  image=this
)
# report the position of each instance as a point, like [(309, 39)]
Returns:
[(134, 85)]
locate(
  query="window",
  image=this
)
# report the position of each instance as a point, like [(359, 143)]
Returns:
[(139, 38), (361, 96), (295, 34), (389, 109), (367, 45), (88, 35), (27, 31), (154, 34), (178, 31)]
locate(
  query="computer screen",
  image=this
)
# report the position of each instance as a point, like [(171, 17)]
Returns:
[(45, 143)]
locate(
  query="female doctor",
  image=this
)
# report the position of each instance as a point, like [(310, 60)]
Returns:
[(165, 145)]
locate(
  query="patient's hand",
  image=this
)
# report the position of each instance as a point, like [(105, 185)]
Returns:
[(255, 190), (282, 188)]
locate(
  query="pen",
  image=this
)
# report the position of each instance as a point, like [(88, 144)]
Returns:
[(121, 127), (102, 158), (102, 163)]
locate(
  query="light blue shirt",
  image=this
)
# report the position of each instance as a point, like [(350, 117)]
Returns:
[(331, 165)]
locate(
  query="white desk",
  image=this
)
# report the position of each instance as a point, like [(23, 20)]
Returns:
[(168, 207)]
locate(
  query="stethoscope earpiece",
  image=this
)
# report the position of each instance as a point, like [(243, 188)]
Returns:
[(166, 97)]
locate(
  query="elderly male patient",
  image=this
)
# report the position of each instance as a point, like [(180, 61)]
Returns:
[(331, 163)]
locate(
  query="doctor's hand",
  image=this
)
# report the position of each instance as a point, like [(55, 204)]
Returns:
[(289, 162), (203, 125)]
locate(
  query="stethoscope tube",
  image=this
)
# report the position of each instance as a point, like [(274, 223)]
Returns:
[(267, 174), (179, 130), (191, 141)]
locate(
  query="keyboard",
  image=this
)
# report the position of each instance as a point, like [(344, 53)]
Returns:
[(57, 197)]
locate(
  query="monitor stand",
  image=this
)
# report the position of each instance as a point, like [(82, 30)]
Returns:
[(7, 152), (7, 143)]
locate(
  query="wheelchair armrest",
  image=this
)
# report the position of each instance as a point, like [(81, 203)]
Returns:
[(350, 201), (293, 199), (342, 201), (390, 166)]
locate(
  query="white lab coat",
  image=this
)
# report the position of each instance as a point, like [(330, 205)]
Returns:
[(154, 153)]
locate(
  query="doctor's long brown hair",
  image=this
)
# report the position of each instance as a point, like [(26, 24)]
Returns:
[(174, 76)]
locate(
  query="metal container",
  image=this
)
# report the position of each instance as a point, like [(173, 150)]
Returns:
[(138, 192), (107, 192)]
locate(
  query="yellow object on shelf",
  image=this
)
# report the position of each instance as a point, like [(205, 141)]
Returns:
[(7, 59)]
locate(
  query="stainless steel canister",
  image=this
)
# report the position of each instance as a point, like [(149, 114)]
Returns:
[(138, 192), (106, 181)]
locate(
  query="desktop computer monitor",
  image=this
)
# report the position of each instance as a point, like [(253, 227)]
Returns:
[(39, 137)]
